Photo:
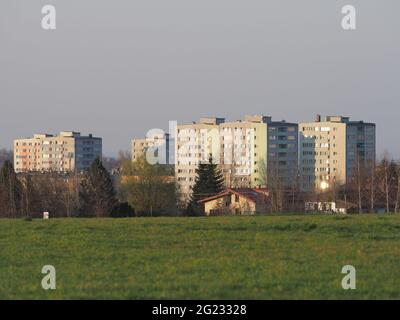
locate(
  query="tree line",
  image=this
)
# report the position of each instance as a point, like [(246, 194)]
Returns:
[(71, 195), (374, 188), (139, 189), (142, 189)]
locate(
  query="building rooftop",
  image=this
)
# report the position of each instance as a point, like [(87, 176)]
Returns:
[(339, 119), (252, 194), (257, 118), (70, 134), (65, 134), (212, 120)]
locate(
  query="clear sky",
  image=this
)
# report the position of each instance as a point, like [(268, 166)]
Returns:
[(118, 68)]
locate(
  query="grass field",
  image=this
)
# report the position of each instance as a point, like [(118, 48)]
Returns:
[(262, 257)]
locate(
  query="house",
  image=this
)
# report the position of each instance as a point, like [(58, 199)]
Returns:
[(238, 201), (329, 206)]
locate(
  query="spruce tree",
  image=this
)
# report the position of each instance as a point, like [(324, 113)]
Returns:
[(10, 192), (209, 182), (97, 194)]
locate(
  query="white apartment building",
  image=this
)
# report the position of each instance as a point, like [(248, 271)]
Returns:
[(331, 149), (248, 151), (194, 143), (243, 152)]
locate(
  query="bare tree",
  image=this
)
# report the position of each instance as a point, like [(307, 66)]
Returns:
[(359, 182), (371, 187), (269, 176), (397, 204), (386, 185), (387, 182)]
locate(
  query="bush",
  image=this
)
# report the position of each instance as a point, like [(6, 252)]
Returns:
[(122, 210)]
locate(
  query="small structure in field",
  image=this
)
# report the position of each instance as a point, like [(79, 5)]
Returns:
[(238, 201), (329, 207), (46, 215)]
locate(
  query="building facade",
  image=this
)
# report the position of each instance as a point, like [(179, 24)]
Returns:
[(155, 148), (250, 152), (194, 144), (243, 151), (282, 161), (256, 151), (66, 152), (330, 150)]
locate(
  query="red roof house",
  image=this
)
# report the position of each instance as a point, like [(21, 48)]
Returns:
[(236, 201)]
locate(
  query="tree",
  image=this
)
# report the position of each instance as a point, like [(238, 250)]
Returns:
[(5, 155), (10, 192), (371, 187), (209, 182), (48, 192), (397, 204), (70, 195), (361, 184), (270, 177), (386, 183), (116, 164), (149, 189), (358, 182), (97, 192), (275, 186), (27, 192)]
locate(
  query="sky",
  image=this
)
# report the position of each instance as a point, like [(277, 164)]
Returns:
[(119, 68)]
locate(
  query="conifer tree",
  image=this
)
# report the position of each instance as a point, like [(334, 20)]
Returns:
[(97, 195), (209, 182)]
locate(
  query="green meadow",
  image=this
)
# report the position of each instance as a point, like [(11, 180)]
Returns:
[(251, 257)]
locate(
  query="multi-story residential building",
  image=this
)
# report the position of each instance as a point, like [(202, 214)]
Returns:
[(155, 147), (258, 150), (194, 143), (66, 152), (250, 151), (282, 146), (331, 149), (243, 152)]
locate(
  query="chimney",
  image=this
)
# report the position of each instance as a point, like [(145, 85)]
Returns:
[(318, 118)]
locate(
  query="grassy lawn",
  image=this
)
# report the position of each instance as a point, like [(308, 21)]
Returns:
[(262, 257)]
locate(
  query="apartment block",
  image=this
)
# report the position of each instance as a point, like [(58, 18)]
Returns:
[(243, 152), (195, 143), (282, 146), (249, 151), (330, 150), (256, 150), (155, 147), (66, 152)]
